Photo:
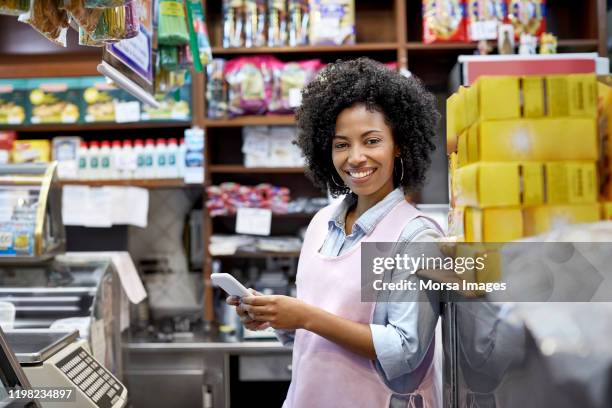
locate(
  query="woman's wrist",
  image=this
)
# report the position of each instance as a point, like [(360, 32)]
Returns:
[(309, 315)]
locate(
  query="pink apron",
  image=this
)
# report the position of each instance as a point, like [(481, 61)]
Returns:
[(324, 373)]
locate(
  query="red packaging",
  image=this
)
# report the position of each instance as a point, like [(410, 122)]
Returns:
[(250, 84), (527, 16), (289, 79), (484, 17), (444, 21)]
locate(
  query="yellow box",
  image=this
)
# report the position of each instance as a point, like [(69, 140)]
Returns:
[(25, 151), (582, 94), (546, 139), (498, 97), (541, 219), (606, 210), (571, 183), (532, 175), (533, 96), (493, 224), (471, 105), (488, 185), (455, 121), (557, 95), (462, 149)]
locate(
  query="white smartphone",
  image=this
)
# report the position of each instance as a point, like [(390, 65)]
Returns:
[(229, 284)]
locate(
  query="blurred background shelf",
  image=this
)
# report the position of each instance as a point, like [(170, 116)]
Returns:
[(152, 183), (308, 49), (72, 127), (237, 168), (252, 120)]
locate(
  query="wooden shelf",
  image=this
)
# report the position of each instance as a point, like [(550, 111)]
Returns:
[(458, 46), (251, 120), (259, 254), (64, 127), (314, 49), (274, 216), (237, 168), (149, 183)]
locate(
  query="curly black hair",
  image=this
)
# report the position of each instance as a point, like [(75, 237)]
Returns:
[(409, 110)]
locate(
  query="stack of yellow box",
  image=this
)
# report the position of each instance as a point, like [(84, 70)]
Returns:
[(605, 131), (523, 154)]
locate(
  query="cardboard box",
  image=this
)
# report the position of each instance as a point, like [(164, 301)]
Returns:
[(28, 151), (54, 100), (606, 210), (533, 96), (546, 139), (493, 224), (498, 97), (455, 121), (488, 185), (541, 219), (532, 175), (13, 102), (571, 183)]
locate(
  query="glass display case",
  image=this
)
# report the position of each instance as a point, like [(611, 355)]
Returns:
[(31, 227)]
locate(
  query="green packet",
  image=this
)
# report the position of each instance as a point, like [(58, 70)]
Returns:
[(199, 42)]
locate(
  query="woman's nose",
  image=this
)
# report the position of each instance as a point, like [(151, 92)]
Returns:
[(356, 156)]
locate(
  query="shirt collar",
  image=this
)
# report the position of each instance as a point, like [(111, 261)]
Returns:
[(369, 219)]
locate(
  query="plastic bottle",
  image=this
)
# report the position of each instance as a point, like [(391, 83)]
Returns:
[(94, 160), (161, 159), (139, 154), (149, 154), (172, 151), (128, 160), (181, 158), (83, 156), (105, 160), (116, 162)]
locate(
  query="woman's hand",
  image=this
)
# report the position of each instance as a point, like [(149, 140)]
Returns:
[(246, 320), (280, 312)]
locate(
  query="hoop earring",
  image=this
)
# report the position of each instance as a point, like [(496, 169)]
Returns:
[(337, 185), (402, 176)]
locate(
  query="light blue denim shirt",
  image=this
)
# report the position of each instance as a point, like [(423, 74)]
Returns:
[(402, 332)]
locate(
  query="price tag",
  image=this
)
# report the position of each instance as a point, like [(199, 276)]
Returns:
[(127, 112), (254, 221)]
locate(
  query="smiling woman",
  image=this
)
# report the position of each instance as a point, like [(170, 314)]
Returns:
[(366, 132)]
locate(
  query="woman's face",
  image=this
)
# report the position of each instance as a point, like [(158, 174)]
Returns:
[(363, 152)]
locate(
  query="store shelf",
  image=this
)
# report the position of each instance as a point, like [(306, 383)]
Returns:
[(274, 216), (153, 183), (259, 254), (65, 127), (314, 49), (239, 169), (251, 120), (456, 47)]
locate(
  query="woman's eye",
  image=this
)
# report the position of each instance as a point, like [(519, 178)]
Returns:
[(340, 145), (372, 141)]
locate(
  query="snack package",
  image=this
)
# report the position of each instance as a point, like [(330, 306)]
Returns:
[(233, 23), (168, 57), (199, 42), (172, 23), (484, 18), (117, 23), (86, 40), (254, 23), (14, 7), (277, 23), (289, 80), (7, 139), (31, 151), (54, 100), (101, 99), (250, 84), (332, 22), (443, 21), (46, 17), (527, 16), (105, 3), (174, 105), (216, 89), (298, 22), (86, 18), (13, 102)]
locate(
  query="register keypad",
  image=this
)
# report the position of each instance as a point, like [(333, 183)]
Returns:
[(91, 378)]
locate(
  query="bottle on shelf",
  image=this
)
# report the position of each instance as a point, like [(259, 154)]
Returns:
[(161, 157), (83, 155), (94, 160), (149, 156), (139, 154), (116, 160), (128, 167), (181, 158), (172, 164), (105, 160)]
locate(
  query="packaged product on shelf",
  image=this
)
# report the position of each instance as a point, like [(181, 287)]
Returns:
[(83, 158), (13, 102), (332, 22), (172, 154), (105, 3), (527, 16), (277, 23), (66, 153), (216, 89), (139, 154), (492, 224), (289, 80), (28, 151), (540, 219), (161, 159), (93, 165), (444, 21), (54, 100), (254, 23), (86, 40), (194, 156), (484, 18), (298, 22), (175, 105), (150, 166), (283, 152), (116, 160), (256, 146), (118, 23), (7, 138), (199, 42), (14, 7), (226, 198), (168, 57), (606, 211), (129, 163), (172, 23), (86, 18), (250, 84), (100, 99), (233, 23), (46, 17)]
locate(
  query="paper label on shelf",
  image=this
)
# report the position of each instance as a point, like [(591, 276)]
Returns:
[(255, 221), (483, 30), (127, 112)]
